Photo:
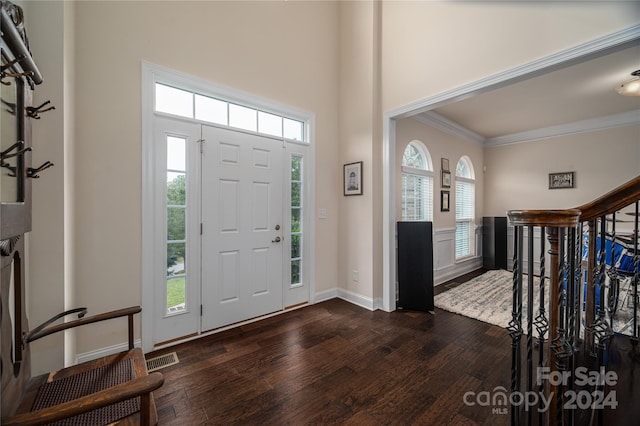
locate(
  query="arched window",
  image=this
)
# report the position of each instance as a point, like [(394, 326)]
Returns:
[(465, 208), (417, 183)]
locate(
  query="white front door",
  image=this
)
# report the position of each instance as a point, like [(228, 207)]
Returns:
[(242, 226)]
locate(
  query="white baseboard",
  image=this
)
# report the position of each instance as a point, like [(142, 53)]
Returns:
[(109, 350), (325, 295), (443, 275), (357, 299)]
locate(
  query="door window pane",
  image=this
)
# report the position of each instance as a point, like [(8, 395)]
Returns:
[(243, 117), (176, 289), (174, 101), (293, 129), (269, 124), (211, 110), (176, 154), (176, 229), (176, 189)]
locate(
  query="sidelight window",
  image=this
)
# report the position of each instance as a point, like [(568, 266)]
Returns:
[(176, 224), (296, 219)]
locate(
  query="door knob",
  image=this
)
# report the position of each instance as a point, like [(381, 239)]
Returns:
[(277, 227), (276, 240)]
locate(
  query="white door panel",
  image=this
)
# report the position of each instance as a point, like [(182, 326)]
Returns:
[(242, 204)]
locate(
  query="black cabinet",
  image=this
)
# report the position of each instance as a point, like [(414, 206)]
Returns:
[(415, 266), (494, 242)]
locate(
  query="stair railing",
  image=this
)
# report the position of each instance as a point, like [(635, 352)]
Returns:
[(592, 271)]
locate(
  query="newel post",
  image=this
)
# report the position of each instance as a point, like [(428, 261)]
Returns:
[(559, 351)]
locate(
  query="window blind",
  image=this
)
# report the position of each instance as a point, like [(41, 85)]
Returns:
[(465, 211), (417, 197)]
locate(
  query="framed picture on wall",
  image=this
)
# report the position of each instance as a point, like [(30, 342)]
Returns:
[(444, 163), (446, 179), (444, 201), (561, 180), (353, 178)]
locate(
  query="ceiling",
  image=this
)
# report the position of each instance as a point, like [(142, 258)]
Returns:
[(580, 96)]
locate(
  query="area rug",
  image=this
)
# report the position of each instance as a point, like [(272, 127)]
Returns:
[(488, 298)]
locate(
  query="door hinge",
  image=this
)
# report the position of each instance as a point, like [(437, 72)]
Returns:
[(200, 310), (201, 229), (201, 143)]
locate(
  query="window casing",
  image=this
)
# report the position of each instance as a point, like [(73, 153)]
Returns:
[(417, 183), (188, 104), (465, 209)]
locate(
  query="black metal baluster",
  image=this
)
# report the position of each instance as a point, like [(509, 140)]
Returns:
[(515, 325), (541, 322), (636, 281), (559, 343), (579, 286), (571, 292), (530, 308)]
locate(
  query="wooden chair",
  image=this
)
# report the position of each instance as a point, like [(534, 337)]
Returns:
[(115, 389)]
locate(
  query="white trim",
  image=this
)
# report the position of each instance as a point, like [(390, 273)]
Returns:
[(628, 118), (440, 122), (225, 93), (571, 56), (388, 213), (579, 53), (325, 295), (460, 268), (437, 121), (150, 74), (358, 299), (106, 351)]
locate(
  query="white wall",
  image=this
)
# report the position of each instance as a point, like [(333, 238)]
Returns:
[(432, 46), (289, 52), (282, 51), (356, 118), (517, 175), (49, 270)]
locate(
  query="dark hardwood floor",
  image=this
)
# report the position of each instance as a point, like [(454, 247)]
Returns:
[(336, 363)]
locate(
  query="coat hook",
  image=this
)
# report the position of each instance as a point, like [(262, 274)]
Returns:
[(12, 169), (34, 111), (11, 108), (11, 63), (33, 172)]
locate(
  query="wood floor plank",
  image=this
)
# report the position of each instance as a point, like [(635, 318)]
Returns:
[(336, 363)]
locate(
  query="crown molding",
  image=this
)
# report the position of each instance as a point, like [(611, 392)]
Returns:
[(440, 122), (580, 53), (583, 126)]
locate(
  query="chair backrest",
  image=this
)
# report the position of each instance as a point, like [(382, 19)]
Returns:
[(16, 360)]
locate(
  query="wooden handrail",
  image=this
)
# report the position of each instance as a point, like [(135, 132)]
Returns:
[(37, 334), (609, 203), (612, 201), (552, 218)]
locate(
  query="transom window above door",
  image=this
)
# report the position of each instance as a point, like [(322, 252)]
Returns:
[(185, 103)]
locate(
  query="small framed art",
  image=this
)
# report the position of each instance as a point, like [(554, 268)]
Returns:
[(352, 174), (446, 179), (444, 201), (562, 180)]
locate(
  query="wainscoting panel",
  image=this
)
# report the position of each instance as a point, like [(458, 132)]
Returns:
[(444, 259), (444, 248)]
